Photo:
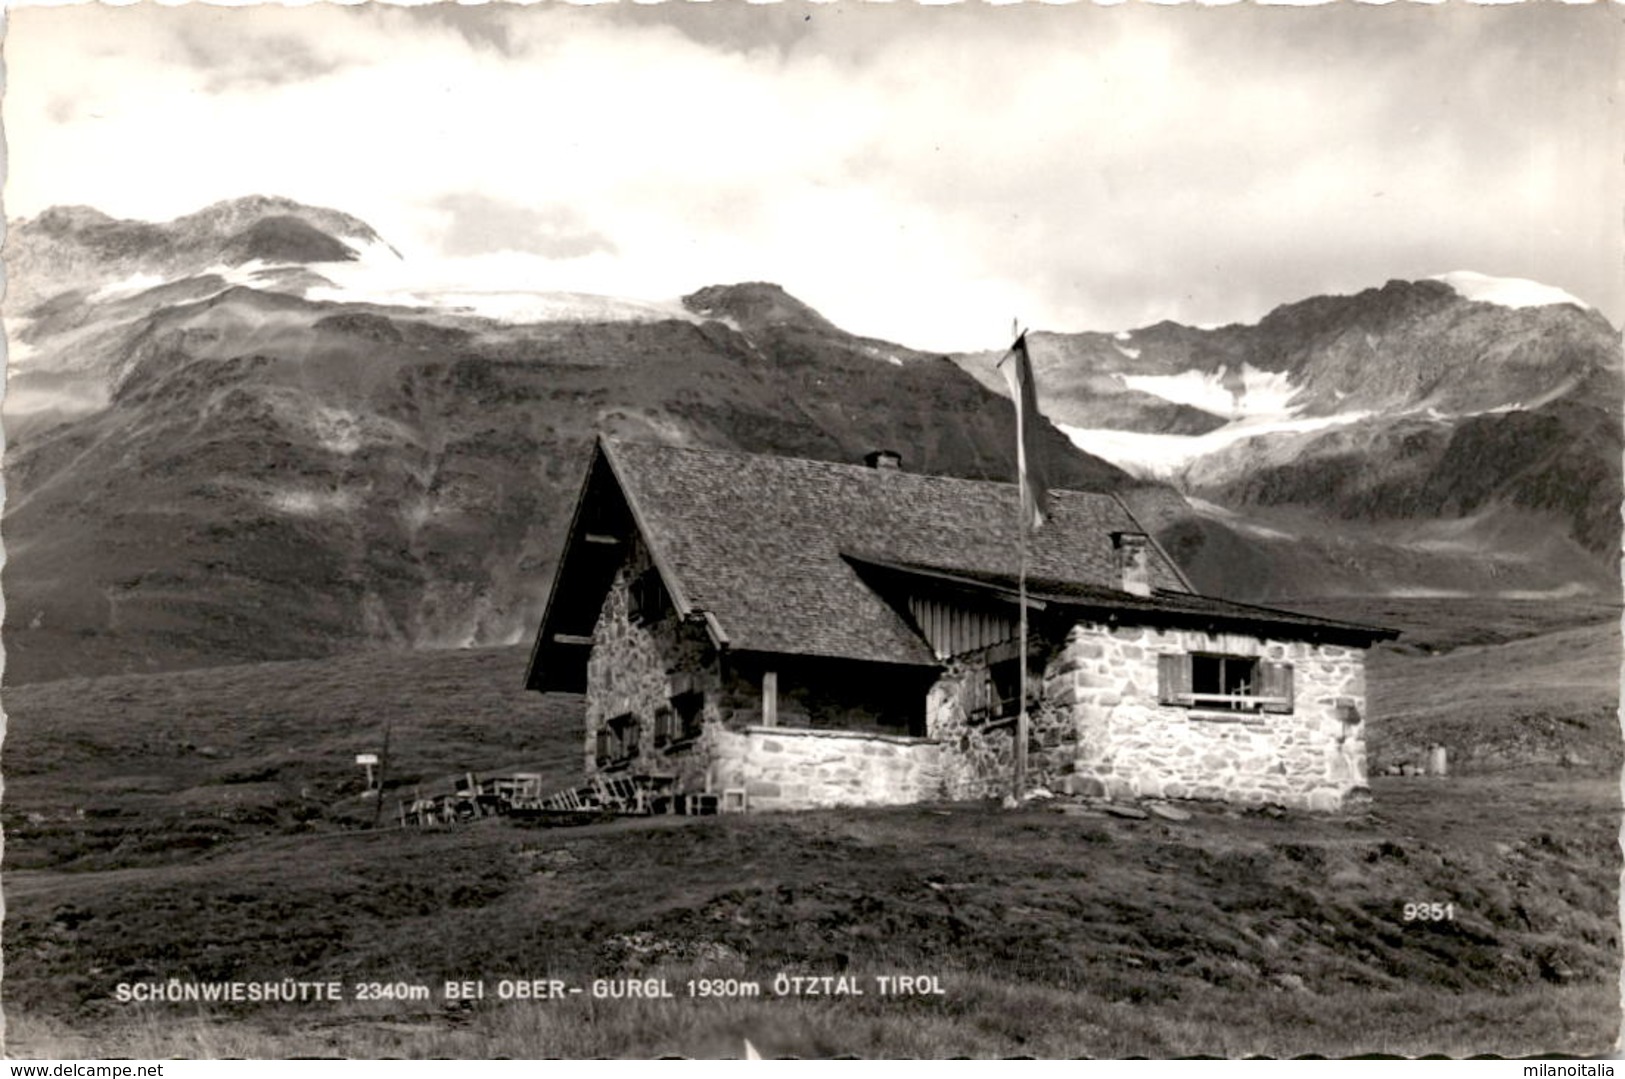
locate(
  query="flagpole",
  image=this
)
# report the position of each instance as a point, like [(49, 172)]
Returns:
[(1032, 492), (1020, 777), (1021, 658)]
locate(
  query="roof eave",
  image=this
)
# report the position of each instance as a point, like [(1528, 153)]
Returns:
[(674, 587), (1285, 629), (1376, 633), (532, 674), (926, 662), (1116, 606)]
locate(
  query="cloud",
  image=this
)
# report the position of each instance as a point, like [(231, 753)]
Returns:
[(479, 224), (484, 26), (921, 174), (258, 61)]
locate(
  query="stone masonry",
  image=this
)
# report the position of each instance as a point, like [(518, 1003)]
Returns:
[(1309, 758), (978, 756), (637, 667), (794, 768), (1094, 714)]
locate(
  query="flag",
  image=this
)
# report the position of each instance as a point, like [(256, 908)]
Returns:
[(1034, 479)]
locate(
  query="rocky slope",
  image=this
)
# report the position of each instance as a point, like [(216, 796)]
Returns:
[(244, 473), (1461, 433), (218, 451), (78, 249)]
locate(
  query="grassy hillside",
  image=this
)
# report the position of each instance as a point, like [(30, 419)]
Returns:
[(1051, 933), (139, 769), (1550, 699), (1499, 683), (220, 840)]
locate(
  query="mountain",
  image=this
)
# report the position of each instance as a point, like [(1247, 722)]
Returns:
[(231, 438), (233, 470), (79, 284), (69, 250), (1454, 434)]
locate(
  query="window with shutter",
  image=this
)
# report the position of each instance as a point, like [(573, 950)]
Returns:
[(1173, 679), (1224, 683), (1004, 688), (976, 693), (618, 740), (1277, 687), (690, 710)]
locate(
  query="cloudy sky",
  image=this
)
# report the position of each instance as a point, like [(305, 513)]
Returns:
[(919, 174)]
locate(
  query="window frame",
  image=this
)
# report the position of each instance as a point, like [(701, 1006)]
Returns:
[(665, 723), (688, 715), (647, 600), (988, 704), (1273, 681), (622, 734)]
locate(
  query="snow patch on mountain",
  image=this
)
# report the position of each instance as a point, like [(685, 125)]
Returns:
[(298, 502), (524, 307), (1507, 291), (129, 286), (371, 249), (1216, 512), (1247, 393), (18, 351), (880, 354), (1131, 353), (396, 283), (1159, 456)]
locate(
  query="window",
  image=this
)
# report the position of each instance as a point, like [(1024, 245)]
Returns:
[(994, 692), (690, 713), (665, 725), (1224, 683), (618, 740), (647, 601)]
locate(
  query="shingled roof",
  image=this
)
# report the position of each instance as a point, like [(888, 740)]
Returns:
[(755, 545)]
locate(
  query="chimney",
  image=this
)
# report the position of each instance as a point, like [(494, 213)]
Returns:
[(883, 459), (1131, 556)]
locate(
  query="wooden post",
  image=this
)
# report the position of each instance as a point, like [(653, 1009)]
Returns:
[(770, 698), (383, 768), (1438, 760)]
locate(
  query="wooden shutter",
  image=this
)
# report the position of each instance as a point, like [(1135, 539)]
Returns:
[(1277, 684), (603, 744), (976, 691), (1173, 679), (690, 708)]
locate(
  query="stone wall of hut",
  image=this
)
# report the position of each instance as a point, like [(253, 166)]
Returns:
[(1095, 723), (1311, 757)]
